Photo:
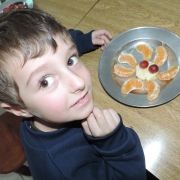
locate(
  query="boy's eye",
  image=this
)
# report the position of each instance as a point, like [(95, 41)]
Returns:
[(72, 61), (46, 81)]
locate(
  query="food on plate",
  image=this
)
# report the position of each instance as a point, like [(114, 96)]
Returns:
[(128, 58), (153, 68), (153, 89), (169, 74), (161, 56), (145, 73), (122, 71), (143, 64), (131, 84), (146, 50)]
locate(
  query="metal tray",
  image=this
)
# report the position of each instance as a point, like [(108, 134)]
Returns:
[(126, 42)]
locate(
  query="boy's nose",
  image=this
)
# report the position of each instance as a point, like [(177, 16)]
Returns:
[(76, 83)]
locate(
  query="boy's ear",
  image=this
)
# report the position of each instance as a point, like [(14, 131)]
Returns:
[(16, 110)]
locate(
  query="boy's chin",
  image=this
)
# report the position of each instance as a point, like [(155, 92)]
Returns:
[(85, 114)]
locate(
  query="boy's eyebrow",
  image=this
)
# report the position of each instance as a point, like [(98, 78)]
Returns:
[(39, 69), (35, 72)]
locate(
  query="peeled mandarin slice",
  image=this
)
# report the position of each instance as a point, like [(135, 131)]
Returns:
[(122, 71), (128, 58), (161, 56), (145, 50), (169, 74), (153, 90), (131, 84)]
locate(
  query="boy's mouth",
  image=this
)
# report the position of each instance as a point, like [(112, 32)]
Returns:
[(82, 101)]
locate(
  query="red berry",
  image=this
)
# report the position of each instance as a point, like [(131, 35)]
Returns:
[(21, 6), (153, 68), (144, 64), (12, 6), (5, 9)]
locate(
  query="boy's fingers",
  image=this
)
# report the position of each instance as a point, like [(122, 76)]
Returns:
[(101, 122), (86, 127), (100, 118), (109, 119), (107, 34), (102, 47), (106, 40), (98, 41), (93, 125), (114, 116)]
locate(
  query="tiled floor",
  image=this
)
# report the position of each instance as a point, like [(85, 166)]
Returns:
[(1, 111), (13, 176)]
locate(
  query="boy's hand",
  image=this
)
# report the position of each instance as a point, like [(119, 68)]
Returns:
[(101, 122), (101, 37)]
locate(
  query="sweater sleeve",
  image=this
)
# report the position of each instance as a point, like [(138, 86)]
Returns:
[(82, 41), (122, 152)]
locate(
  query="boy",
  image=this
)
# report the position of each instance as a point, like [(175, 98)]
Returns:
[(42, 79)]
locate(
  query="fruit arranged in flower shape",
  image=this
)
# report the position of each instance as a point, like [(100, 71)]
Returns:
[(153, 89), (131, 84), (161, 56), (144, 64), (169, 74), (145, 50), (122, 71), (146, 71), (128, 58)]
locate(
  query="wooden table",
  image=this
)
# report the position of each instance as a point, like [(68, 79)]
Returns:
[(157, 127), (68, 12)]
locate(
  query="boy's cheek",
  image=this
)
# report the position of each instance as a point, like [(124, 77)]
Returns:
[(54, 104), (47, 105), (88, 78)]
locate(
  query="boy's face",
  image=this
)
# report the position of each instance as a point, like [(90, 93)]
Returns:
[(56, 87)]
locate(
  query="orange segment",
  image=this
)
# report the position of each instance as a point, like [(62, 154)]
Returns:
[(153, 90), (122, 71), (169, 74), (128, 58), (161, 56), (131, 84), (145, 50)]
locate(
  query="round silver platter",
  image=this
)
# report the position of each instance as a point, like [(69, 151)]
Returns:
[(127, 42)]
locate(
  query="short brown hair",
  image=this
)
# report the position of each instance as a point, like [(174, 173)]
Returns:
[(24, 33)]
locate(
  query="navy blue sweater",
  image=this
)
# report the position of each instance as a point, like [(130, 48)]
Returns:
[(70, 154), (83, 41)]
